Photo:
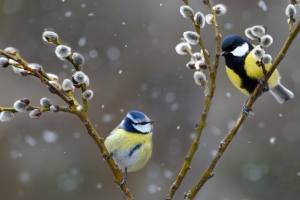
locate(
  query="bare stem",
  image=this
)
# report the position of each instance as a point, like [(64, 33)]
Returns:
[(207, 102)]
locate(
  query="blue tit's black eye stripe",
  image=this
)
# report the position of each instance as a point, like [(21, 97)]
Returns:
[(141, 123), (136, 147)]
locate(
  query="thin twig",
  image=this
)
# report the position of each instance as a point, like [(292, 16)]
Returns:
[(38, 75), (207, 102)]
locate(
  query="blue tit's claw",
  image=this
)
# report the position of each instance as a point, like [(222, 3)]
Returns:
[(109, 155), (122, 182), (265, 86)]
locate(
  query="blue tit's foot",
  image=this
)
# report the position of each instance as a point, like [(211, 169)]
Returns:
[(109, 155), (265, 86), (123, 180), (247, 111)]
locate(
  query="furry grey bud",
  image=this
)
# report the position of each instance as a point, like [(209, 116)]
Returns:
[(79, 77), (6, 116), (78, 59), (88, 94), (266, 40), (199, 19), (190, 65), (3, 62), (186, 11), (49, 36), (45, 102), (11, 50), (290, 10), (191, 37), (35, 114), (35, 66), (220, 9), (198, 56), (200, 78), (258, 52), (182, 47), (21, 105), (62, 51), (209, 18), (249, 34), (258, 31), (267, 59), (53, 76), (19, 71), (54, 108), (67, 85)]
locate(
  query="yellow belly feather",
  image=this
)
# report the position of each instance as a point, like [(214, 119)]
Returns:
[(252, 71), (122, 140)]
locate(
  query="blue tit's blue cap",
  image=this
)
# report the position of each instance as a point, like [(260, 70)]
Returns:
[(137, 116)]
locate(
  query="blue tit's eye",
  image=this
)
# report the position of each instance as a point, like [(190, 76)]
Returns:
[(143, 123)]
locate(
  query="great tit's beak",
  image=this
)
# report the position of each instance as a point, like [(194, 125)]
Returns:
[(224, 53)]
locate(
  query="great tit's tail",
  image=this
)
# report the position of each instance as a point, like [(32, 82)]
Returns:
[(281, 93)]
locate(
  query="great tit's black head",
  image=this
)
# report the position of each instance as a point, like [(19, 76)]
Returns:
[(234, 45)]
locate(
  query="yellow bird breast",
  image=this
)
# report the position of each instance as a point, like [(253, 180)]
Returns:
[(130, 150), (252, 71)]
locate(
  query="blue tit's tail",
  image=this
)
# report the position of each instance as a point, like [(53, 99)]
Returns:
[(281, 93)]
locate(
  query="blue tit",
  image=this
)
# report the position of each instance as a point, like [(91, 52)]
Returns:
[(130, 143), (243, 71)]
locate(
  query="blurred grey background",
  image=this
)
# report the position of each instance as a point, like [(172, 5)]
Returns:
[(132, 64)]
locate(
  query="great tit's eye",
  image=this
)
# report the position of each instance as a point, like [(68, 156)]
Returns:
[(233, 46)]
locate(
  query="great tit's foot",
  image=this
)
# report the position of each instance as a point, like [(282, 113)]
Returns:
[(265, 86), (249, 111), (109, 155)]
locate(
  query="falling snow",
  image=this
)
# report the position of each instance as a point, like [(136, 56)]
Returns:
[(68, 14), (262, 5), (168, 174), (272, 140), (82, 41), (30, 140), (76, 135), (50, 136), (228, 94)]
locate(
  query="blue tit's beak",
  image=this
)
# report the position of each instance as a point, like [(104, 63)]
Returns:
[(224, 53), (151, 121)]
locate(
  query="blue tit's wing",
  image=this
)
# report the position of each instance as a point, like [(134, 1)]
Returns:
[(120, 126)]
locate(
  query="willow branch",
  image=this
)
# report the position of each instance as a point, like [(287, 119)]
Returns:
[(75, 108), (38, 75), (42, 109), (207, 102), (253, 97), (77, 68)]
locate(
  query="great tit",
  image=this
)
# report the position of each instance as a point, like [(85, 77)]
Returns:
[(243, 71)]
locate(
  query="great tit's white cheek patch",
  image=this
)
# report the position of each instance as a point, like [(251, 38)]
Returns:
[(241, 50), (145, 128)]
